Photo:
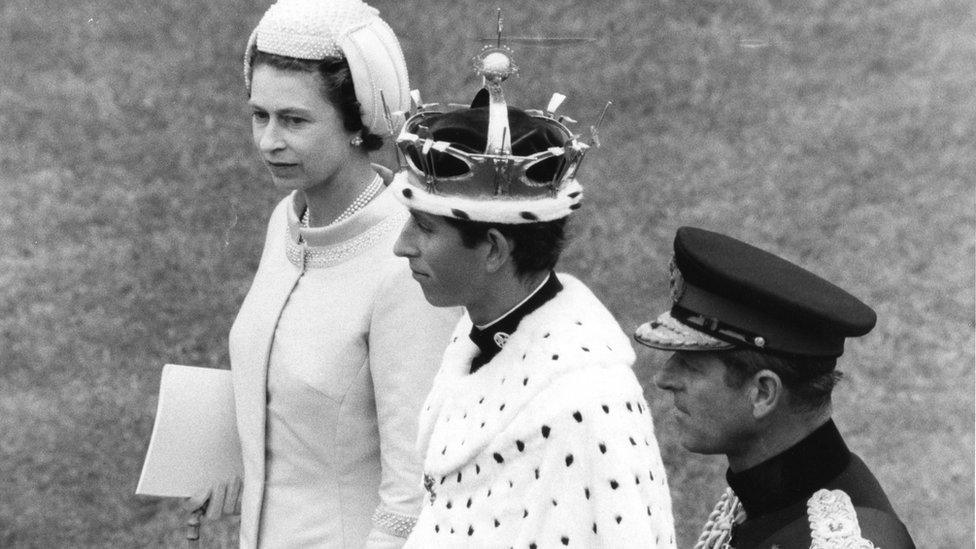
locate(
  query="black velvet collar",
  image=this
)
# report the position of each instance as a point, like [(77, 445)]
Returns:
[(793, 475), (492, 339)]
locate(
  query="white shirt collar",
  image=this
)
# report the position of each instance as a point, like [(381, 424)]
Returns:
[(517, 305)]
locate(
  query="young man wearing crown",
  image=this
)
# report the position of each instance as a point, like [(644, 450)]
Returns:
[(756, 341), (536, 432)]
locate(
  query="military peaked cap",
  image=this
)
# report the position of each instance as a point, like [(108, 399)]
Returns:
[(727, 294)]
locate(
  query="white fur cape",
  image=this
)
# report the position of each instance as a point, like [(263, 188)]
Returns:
[(549, 444)]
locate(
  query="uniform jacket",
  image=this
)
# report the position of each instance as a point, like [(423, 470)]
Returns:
[(816, 495), (549, 444), (360, 402)]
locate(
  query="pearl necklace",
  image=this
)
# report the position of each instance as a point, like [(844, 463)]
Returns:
[(359, 203)]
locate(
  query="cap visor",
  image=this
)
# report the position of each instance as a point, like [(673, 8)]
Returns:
[(668, 334)]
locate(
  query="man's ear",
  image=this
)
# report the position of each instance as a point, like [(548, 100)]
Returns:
[(767, 393), (499, 251)]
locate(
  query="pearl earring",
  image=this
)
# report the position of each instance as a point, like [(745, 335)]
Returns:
[(356, 141)]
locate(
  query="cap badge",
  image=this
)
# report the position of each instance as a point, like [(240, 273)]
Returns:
[(677, 282), (500, 339)]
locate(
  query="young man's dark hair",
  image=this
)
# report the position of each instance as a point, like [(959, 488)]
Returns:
[(536, 247)]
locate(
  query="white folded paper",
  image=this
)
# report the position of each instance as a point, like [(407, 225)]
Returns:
[(194, 440)]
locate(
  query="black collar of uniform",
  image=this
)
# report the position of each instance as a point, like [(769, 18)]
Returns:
[(491, 338), (793, 475)]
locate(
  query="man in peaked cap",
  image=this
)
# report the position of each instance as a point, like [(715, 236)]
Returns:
[(756, 341), (535, 432)]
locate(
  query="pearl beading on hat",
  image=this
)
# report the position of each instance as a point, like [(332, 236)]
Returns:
[(310, 30), (346, 29)]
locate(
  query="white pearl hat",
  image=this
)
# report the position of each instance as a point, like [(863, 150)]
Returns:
[(349, 29)]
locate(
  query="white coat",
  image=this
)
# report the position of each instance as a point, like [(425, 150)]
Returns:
[(353, 347)]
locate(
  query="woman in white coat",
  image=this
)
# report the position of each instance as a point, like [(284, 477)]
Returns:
[(334, 347)]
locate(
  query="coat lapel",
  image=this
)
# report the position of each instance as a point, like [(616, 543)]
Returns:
[(251, 339)]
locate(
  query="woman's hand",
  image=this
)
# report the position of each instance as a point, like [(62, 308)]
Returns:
[(223, 498)]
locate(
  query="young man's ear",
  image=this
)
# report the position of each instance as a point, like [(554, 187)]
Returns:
[(767, 393), (499, 250)]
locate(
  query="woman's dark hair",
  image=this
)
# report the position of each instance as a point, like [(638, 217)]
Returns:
[(535, 246), (809, 380), (337, 89)]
